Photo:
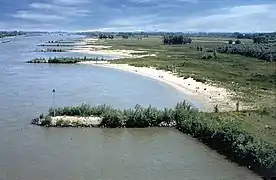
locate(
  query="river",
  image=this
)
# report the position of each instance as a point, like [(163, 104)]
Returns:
[(29, 152)]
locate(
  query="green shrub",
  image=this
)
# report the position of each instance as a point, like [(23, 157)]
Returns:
[(112, 119), (47, 121)]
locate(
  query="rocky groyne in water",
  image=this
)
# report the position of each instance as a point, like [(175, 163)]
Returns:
[(67, 121)]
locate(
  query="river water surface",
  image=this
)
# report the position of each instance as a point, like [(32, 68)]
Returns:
[(34, 153)]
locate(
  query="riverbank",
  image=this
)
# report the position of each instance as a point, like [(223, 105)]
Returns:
[(210, 95)]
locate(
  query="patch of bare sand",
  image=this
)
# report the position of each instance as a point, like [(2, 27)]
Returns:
[(118, 53)]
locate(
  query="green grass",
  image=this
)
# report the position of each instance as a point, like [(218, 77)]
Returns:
[(252, 79), (261, 123)]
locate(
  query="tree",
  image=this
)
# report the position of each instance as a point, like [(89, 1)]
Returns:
[(238, 41), (103, 36), (176, 39)]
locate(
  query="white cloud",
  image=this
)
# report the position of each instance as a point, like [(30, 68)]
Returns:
[(41, 6), (238, 18), (37, 16), (70, 2), (133, 20), (189, 1), (121, 29), (141, 1), (148, 17), (162, 1), (60, 9), (54, 11), (249, 18)]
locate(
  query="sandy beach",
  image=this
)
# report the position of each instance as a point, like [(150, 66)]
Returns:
[(116, 53), (208, 95)]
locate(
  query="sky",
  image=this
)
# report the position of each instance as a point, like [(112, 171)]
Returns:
[(139, 15)]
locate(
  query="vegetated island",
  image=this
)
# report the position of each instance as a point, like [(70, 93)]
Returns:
[(58, 45), (51, 50), (60, 42), (227, 136), (65, 60)]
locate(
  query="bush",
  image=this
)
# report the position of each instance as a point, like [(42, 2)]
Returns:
[(46, 121), (112, 119), (207, 56), (238, 41), (216, 110)]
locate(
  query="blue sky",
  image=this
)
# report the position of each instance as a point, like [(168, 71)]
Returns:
[(136, 15)]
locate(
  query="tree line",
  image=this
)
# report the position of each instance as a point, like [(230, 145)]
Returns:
[(260, 51), (10, 33), (265, 38), (106, 36), (177, 39), (110, 36)]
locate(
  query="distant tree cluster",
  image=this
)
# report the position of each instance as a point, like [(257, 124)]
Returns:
[(52, 50), (199, 48), (176, 40), (260, 51), (125, 36), (242, 35), (265, 38), (234, 42), (10, 33), (105, 36)]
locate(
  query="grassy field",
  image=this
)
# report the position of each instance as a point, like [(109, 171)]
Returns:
[(252, 79)]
